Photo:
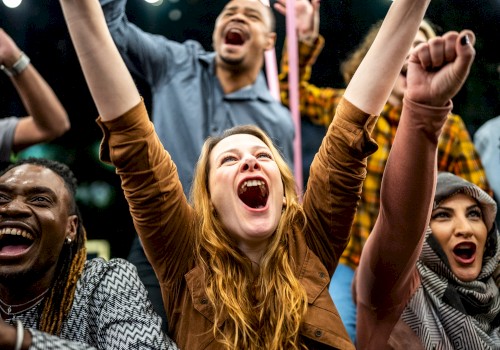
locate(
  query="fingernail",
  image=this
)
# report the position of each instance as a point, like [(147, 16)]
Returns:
[(465, 40)]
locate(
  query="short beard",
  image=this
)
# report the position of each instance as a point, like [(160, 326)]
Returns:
[(29, 276), (19, 278), (231, 62)]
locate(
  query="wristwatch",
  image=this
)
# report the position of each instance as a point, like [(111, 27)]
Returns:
[(17, 67)]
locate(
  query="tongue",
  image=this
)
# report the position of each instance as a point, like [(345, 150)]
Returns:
[(234, 38), (465, 258), (253, 197), (13, 249)]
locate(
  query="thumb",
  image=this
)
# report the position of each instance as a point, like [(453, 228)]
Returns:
[(465, 53)]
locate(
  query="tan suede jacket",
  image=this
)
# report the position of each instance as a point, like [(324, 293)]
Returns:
[(165, 223)]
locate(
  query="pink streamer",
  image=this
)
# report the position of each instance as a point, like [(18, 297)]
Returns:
[(272, 68), (293, 86), (293, 90)]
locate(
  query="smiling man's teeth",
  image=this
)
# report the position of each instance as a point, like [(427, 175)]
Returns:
[(15, 232)]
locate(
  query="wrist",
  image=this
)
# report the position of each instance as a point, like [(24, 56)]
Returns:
[(18, 67)]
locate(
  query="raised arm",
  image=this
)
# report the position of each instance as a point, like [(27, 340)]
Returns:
[(47, 117), (111, 85), (386, 274), (317, 104), (148, 56), (131, 144), (306, 19)]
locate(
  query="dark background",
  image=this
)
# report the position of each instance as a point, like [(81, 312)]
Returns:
[(38, 28)]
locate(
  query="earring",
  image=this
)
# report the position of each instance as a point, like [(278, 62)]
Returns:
[(68, 240)]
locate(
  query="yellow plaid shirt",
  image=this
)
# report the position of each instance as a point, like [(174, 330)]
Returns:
[(456, 151)]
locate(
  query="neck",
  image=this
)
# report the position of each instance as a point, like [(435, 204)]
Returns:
[(232, 79), (16, 292), (9, 308)]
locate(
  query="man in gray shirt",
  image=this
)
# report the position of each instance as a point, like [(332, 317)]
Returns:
[(196, 93)]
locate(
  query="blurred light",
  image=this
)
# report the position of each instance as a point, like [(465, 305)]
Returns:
[(175, 15), (49, 151), (12, 3), (97, 194), (154, 2)]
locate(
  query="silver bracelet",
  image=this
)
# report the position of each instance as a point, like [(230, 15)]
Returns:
[(19, 335), (22, 62)]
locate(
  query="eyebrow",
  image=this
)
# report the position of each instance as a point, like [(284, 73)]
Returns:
[(254, 148), (246, 9), (31, 190), (451, 209)]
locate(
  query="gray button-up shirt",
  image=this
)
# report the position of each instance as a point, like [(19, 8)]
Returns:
[(188, 103), (7, 129)]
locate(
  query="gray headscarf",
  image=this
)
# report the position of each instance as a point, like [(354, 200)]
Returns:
[(449, 185), (445, 312)]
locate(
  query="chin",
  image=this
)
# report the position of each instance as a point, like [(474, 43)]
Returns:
[(231, 61), (467, 276)]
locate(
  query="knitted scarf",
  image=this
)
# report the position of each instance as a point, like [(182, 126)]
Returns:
[(445, 312)]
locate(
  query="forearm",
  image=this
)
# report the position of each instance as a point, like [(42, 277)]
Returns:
[(42, 104), (335, 182), (153, 191), (110, 83), (407, 190), (374, 79)]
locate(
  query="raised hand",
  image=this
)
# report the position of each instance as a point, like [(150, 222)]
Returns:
[(306, 17), (438, 69), (9, 52)]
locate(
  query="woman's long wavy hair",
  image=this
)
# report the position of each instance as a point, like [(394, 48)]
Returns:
[(263, 311)]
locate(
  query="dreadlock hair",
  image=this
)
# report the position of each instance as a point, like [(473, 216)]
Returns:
[(57, 303), (264, 311)]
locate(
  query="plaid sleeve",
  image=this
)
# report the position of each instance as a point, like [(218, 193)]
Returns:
[(317, 104), (369, 205), (458, 155)]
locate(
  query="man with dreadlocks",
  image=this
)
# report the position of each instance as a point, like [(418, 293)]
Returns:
[(51, 296)]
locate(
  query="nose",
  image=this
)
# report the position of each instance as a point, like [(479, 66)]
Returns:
[(237, 17), (14, 207), (463, 227), (250, 163)]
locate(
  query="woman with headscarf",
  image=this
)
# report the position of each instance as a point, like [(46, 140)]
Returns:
[(426, 276)]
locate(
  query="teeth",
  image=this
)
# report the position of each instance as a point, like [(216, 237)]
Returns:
[(252, 183), (15, 232)]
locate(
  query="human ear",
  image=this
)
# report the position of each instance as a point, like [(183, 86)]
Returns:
[(71, 227), (270, 41)]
